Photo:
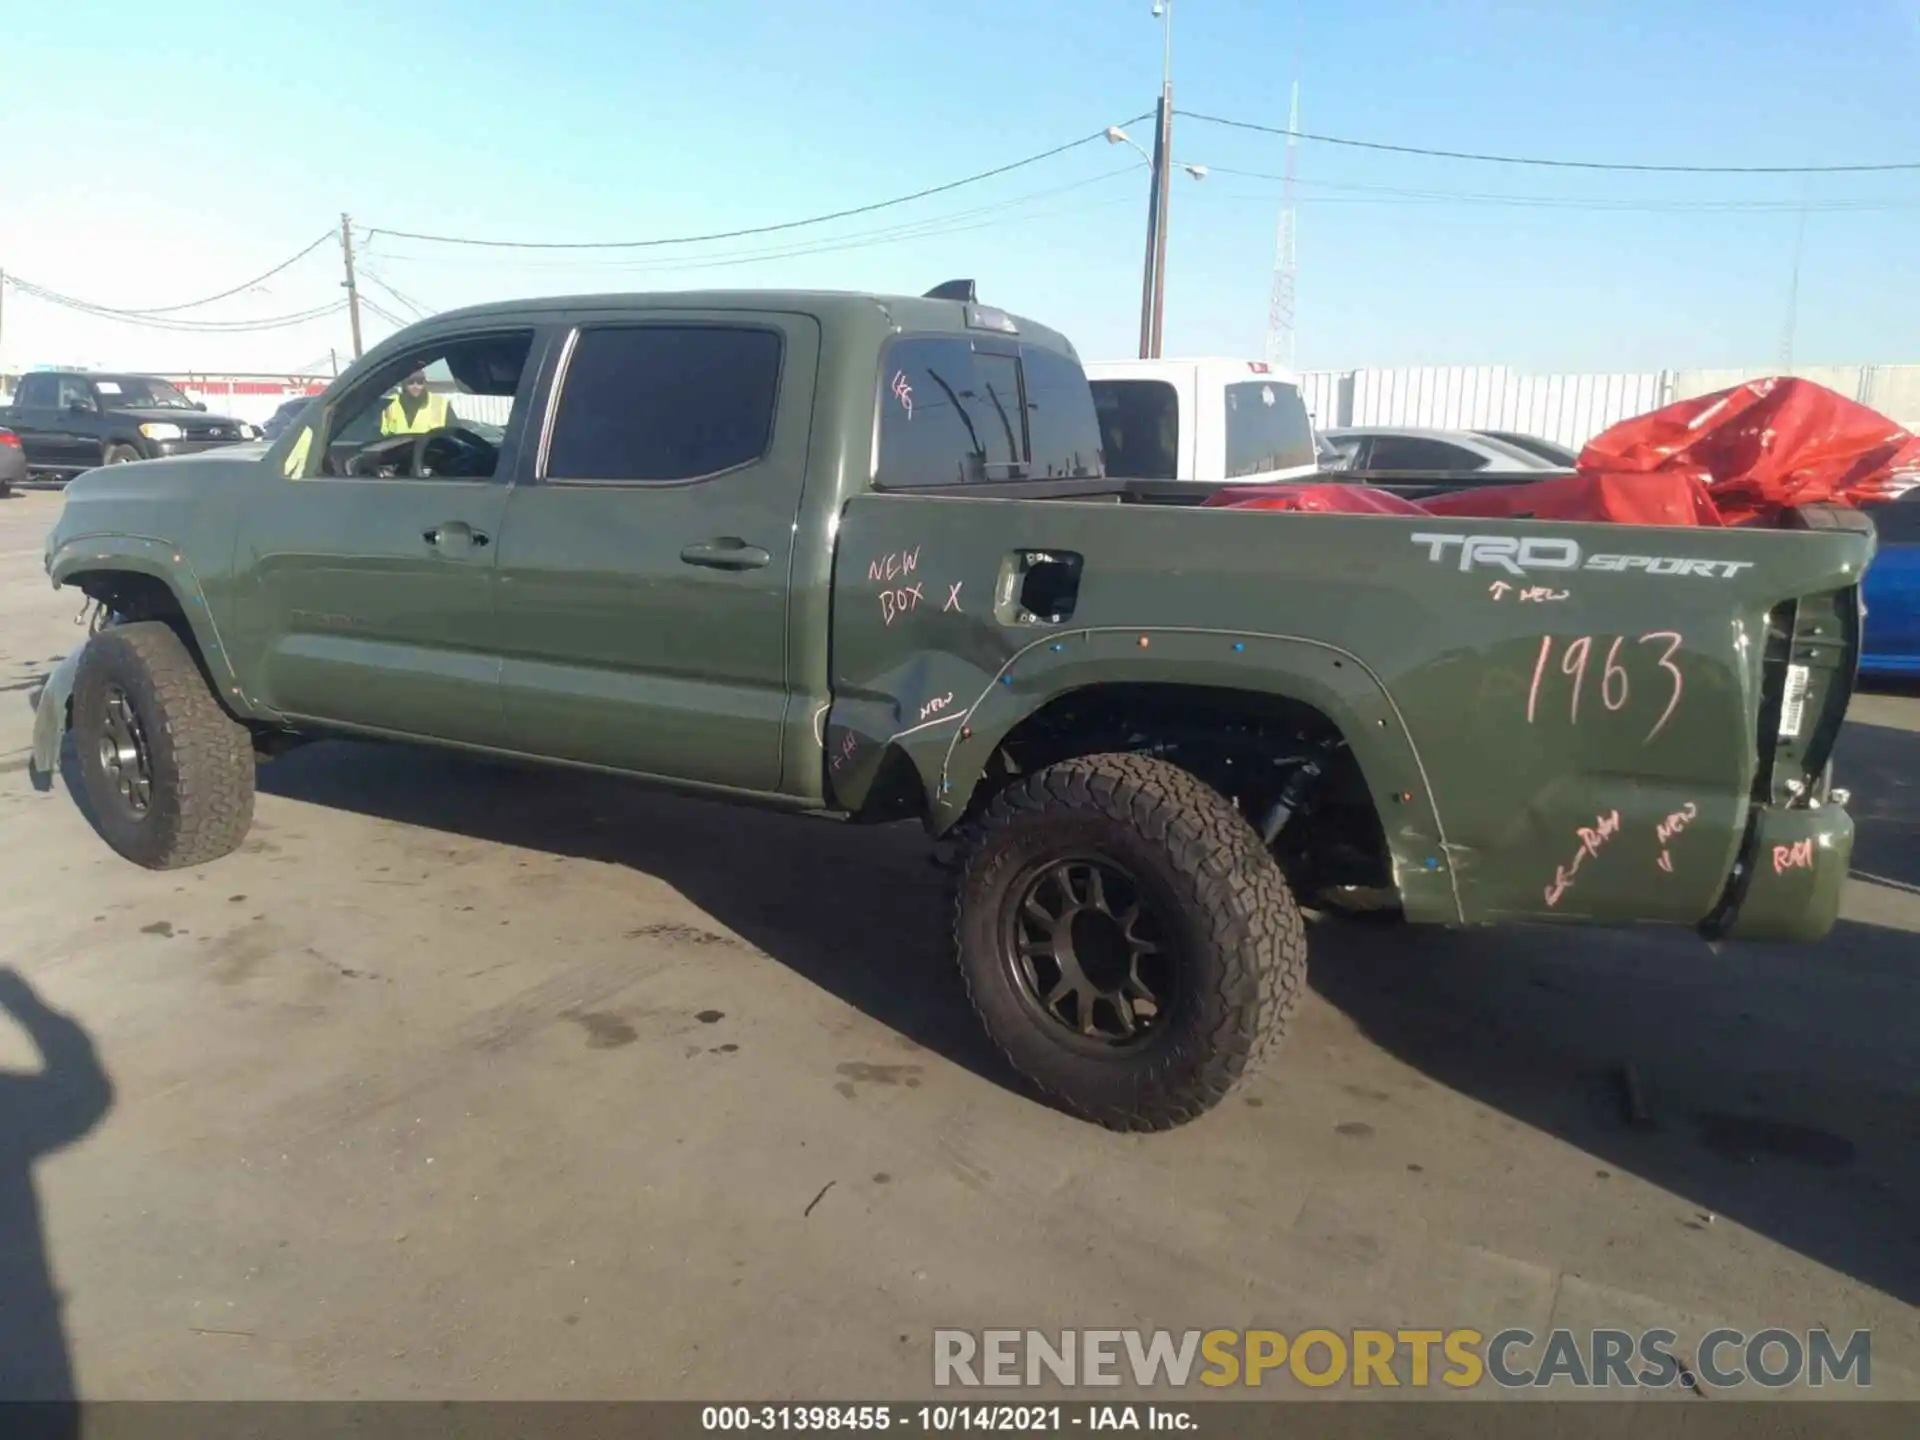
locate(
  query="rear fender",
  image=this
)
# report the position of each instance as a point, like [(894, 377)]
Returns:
[(946, 719)]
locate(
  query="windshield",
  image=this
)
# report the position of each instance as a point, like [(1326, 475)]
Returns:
[(138, 392)]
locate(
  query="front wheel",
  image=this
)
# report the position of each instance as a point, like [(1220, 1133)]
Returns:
[(120, 455), (1127, 940), (167, 774)]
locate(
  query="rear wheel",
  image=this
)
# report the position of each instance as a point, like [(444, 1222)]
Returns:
[(1127, 940), (167, 773)]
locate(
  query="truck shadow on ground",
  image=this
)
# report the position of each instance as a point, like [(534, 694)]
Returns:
[(858, 911), (1780, 1085), (1774, 1086), (39, 1114)]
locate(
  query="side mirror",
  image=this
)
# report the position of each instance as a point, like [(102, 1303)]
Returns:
[(200, 405)]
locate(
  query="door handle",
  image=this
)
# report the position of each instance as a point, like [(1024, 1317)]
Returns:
[(727, 552), (455, 532)]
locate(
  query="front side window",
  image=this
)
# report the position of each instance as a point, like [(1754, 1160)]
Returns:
[(1139, 428), (1267, 428), (76, 391), (664, 403), (438, 412)]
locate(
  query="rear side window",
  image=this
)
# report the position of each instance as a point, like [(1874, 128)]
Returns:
[(662, 403), (956, 413), (1413, 452), (1267, 428), (35, 390), (1139, 428)]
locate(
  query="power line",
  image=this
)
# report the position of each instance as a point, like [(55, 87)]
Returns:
[(926, 227), (385, 314), (190, 304), (1902, 165), (752, 229), (216, 327), (419, 311), (1572, 202)]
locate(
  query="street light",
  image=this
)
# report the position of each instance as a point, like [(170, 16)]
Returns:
[(1117, 136)]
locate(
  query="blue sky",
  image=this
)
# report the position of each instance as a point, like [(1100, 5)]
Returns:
[(159, 153)]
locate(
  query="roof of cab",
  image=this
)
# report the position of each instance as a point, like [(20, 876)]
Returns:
[(906, 312)]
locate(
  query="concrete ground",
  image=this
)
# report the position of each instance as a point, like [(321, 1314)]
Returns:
[(463, 1081)]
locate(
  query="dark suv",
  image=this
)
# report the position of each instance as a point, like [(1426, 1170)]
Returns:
[(73, 420)]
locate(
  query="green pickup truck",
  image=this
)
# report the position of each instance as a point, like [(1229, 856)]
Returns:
[(856, 557)]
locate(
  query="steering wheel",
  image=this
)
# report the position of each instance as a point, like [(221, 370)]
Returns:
[(463, 442), (380, 455)]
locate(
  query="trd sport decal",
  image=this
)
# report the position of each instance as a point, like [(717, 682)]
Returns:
[(1518, 557)]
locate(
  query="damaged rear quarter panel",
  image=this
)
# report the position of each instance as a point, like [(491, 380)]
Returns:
[(1573, 745)]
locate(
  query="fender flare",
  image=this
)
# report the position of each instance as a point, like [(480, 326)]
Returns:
[(159, 560), (951, 753)]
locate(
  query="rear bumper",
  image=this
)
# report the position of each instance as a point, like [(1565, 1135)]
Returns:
[(1789, 879)]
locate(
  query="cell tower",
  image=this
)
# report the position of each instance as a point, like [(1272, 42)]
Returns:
[(1280, 306)]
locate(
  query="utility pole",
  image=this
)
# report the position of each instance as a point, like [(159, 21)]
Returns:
[(1150, 269), (353, 291), (1153, 284), (3, 315), (1162, 159)]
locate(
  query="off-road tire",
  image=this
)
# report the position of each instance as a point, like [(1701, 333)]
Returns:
[(200, 758), (1241, 938), (120, 455)]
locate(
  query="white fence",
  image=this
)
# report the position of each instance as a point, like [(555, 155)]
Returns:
[(1571, 409)]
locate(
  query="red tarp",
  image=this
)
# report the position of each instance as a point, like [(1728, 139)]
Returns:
[(1736, 457)]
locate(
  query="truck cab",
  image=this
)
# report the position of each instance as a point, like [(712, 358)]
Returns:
[(1212, 420)]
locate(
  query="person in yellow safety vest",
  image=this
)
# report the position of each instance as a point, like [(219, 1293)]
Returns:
[(415, 410)]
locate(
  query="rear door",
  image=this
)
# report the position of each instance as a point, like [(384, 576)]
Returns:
[(644, 567)]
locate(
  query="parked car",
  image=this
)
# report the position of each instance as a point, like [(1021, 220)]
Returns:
[(1214, 421), (284, 415), (1140, 734), (13, 461), (73, 420), (1553, 452), (1891, 645), (1389, 448)]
